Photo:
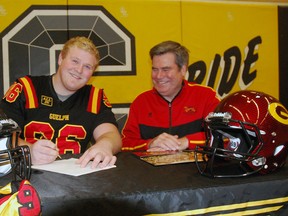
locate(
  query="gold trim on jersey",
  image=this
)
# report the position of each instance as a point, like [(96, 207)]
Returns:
[(94, 100), (30, 93)]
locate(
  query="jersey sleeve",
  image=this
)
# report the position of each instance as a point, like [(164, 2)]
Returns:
[(102, 107), (13, 103)]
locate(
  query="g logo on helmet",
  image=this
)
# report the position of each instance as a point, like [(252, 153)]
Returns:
[(279, 112)]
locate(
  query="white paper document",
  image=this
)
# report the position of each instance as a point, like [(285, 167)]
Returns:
[(69, 167)]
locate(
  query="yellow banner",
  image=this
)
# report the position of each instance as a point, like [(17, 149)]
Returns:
[(233, 45)]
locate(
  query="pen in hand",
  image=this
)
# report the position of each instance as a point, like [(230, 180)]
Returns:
[(58, 156)]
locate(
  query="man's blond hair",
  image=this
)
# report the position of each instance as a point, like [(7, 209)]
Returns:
[(84, 44)]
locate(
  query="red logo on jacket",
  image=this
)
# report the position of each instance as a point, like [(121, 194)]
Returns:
[(189, 109)]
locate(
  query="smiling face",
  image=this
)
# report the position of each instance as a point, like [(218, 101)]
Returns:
[(167, 77), (75, 70)]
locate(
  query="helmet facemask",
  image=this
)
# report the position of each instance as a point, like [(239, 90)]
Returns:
[(230, 146)]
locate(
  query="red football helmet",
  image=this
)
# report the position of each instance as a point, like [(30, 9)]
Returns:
[(246, 134)]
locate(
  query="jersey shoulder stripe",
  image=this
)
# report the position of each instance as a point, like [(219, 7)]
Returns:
[(30, 93), (95, 98)]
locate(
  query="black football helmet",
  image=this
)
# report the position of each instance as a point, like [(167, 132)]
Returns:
[(246, 134), (13, 158)]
